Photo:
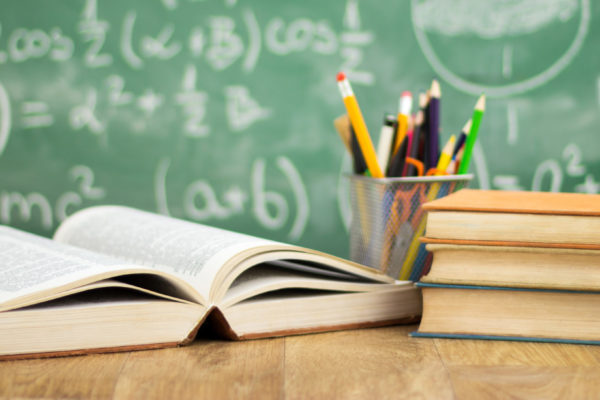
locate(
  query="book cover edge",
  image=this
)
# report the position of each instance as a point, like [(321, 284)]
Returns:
[(433, 335)]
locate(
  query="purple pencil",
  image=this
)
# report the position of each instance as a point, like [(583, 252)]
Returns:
[(433, 146)]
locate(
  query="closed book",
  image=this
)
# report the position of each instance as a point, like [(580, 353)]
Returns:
[(510, 218), (525, 267), (509, 313)]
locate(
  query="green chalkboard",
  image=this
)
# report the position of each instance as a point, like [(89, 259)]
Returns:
[(220, 111)]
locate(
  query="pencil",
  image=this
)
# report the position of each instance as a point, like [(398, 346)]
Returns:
[(417, 137), (472, 137), (409, 139), (423, 153), (451, 167), (446, 156), (457, 159), (358, 161), (342, 126), (434, 125), (404, 110), (358, 123), (397, 162), (462, 137)]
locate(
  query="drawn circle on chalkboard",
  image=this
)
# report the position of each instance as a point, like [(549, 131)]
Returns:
[(464, 81)]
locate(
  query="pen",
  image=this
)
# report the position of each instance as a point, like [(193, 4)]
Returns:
[(386, 137)]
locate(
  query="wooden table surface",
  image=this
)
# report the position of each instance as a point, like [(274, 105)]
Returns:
[(362, 364)]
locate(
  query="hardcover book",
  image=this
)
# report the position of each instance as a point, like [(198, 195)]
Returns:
[(526, 267), (504, 313), (567, 220)]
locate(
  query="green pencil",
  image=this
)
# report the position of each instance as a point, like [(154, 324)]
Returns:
[(463, 168)]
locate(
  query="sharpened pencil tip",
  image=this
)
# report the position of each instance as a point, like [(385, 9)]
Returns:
[(467, 128), (480, 103), (422, 100), (435, 89), (341, 76)]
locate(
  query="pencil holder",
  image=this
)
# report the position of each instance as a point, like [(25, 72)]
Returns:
[(387, 221)]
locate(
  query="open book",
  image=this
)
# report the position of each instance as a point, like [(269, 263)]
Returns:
[(116, 278)]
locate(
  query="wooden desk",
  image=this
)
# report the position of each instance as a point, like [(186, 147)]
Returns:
[(373, 363)]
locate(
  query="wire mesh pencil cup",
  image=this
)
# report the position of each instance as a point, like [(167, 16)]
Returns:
[(387, 221)]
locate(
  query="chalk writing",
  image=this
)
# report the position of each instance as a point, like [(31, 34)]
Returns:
[(28, 44), (5, 118), (35, 114), (220, 111), (84, 115), (94, 31), (36, 205), (271, 209), (551, 169)]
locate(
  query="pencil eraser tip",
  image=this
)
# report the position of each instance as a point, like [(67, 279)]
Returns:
[(406, 93), (341, 76)]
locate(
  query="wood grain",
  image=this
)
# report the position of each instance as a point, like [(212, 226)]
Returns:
[(507, 353), (207, 369), (375, 363), (93, 377), (525, 382), (370, 363)]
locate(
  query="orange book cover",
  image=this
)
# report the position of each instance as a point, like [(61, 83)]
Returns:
[(499, 201), (510, 218)]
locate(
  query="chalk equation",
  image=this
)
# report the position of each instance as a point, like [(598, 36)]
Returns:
[(98, 92), (23, 207), (270, 209), (220, 111)]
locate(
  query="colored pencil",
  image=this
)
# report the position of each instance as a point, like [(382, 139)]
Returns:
[(462, 137), (472, 137), (423, 153), (433, 147), (446, 156)]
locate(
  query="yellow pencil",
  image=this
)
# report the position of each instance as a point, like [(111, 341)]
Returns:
[(358, 123), (446, 156)]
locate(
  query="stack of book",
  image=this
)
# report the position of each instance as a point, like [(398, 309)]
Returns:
[(513, 266)]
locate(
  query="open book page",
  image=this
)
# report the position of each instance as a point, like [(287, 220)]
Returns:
[(278, 276), (34, 266), (193, 251)]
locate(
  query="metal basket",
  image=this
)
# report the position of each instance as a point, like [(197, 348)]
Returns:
[(387, 221)]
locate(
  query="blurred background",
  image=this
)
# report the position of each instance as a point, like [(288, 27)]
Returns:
[(221, 111)]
